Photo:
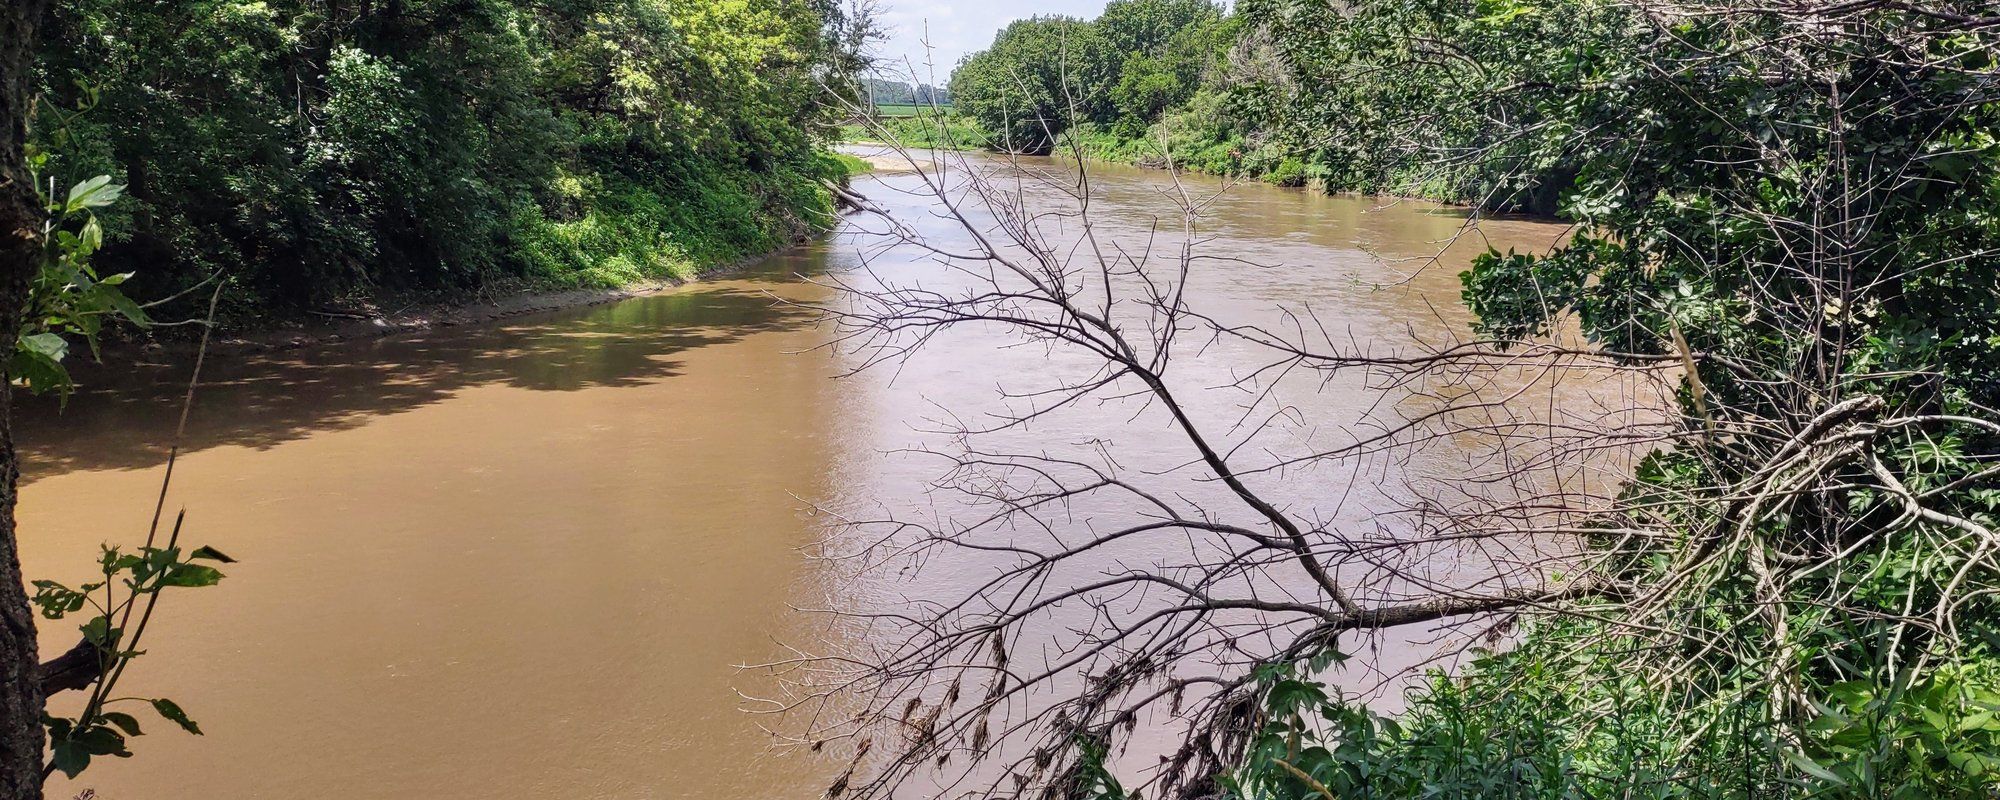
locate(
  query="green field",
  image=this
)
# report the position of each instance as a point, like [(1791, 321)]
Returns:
[(946, 133), (887, 111), (854, 165)]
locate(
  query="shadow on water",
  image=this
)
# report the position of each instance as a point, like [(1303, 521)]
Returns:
[(124, 416)]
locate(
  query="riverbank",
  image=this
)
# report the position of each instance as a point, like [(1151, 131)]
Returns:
[(427, 314), (343, 326), (1228, 157), (1102, 148), (418, 313)]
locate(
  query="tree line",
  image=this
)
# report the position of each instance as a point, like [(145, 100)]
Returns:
[(1290, 93), (887, 92), (1045, 76), (324, 153)]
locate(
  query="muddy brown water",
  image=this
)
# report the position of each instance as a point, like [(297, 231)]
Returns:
[(524, 560)]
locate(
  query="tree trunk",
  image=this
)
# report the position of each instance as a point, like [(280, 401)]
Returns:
[(20, 254)]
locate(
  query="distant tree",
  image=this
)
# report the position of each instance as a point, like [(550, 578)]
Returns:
[(1156, 79), (1146, 27), (883, 92), (1042, 75), (851, 34)]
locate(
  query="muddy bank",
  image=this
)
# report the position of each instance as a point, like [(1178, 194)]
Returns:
[(327, 327)]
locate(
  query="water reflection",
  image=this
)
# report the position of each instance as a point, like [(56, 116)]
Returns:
[(124, 417), (523, 560), (517, 561)]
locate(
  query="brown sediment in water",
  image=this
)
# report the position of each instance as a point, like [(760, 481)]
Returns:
[(522, 558), (323, 328)]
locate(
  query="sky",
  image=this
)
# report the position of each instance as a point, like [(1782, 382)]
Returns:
[(957, 29)]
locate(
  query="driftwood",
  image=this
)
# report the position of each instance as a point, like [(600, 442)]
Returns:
[(848, 200)]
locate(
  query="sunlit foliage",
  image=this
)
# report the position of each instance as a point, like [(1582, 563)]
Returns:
[(324, 152)]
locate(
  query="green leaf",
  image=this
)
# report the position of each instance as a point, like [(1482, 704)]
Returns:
[(56, 600), (191, 575), (1289, 696), (1972, 764), (69, 757), (49, 345), (1813, 768), (211, 554), (92, 238), (98, 631), (36, 370), (1979, 721), (123, 305), (124, 721), (175, 715), (1324, 659), (94, 193)]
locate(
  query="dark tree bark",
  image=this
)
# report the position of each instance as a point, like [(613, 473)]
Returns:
[(20, 252), (72, 671)]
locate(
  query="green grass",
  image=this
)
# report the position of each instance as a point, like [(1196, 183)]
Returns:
[(895, 111), (853, 164), (946, 132), (610, 230)]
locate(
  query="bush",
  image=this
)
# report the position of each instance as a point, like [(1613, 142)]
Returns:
[(1289, 172)]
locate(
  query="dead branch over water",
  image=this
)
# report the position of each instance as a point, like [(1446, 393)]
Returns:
[(1215, 573), (1080, 629)]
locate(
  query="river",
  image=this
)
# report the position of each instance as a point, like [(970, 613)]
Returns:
[(524, 559)]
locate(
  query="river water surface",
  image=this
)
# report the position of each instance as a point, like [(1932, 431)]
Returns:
[(524, 560)]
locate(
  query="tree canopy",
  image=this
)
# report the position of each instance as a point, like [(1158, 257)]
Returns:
[(1042, 75), (322, 153)]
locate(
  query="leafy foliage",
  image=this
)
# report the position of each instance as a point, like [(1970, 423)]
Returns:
[(1146, 82), (1430, 98), (1797, 206), (1326, 94), (67, 296), (940, 130), (328, 153), (129, 583), (1041, 76)]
